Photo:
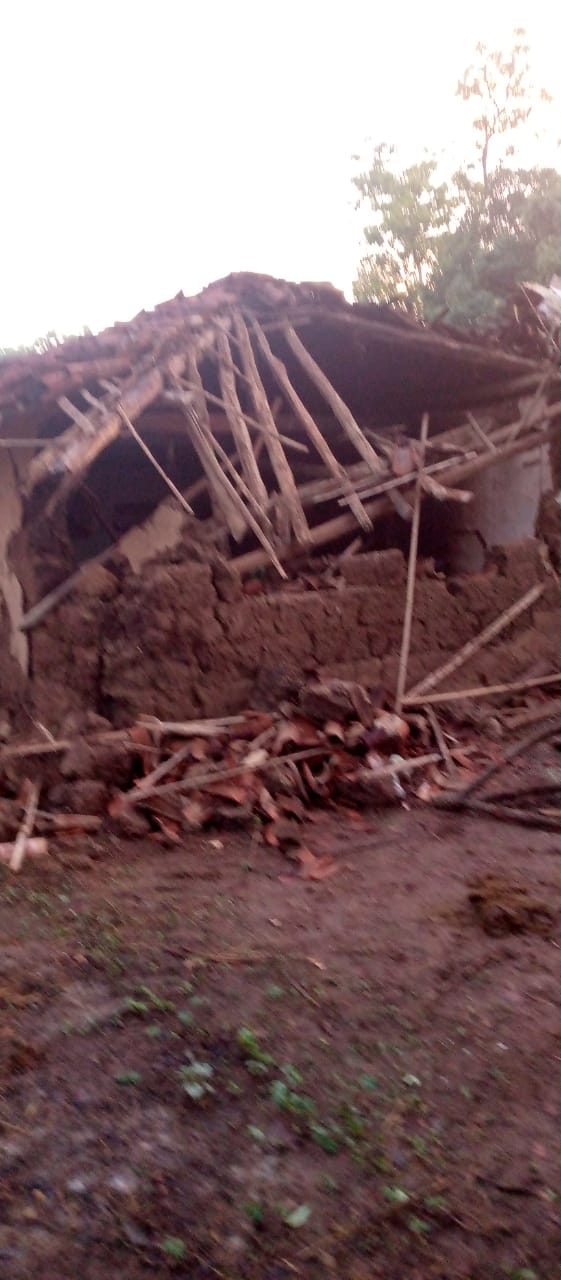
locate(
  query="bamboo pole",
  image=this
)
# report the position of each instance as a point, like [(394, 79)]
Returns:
[(240, 432), (284, 476), (222, 504), (232, 490), (148, 453), (411, 572), (473, 646), (311, 428), (481, 691), (331, 396)]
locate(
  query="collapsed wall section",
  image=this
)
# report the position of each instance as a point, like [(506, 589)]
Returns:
[(183, 639)]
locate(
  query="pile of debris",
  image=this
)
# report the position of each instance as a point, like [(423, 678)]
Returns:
[(338, 746)]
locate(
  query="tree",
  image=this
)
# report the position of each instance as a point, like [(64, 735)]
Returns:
[(458, 249), (410, 210), (504, 94)]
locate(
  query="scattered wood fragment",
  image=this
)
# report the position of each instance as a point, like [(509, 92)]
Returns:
[(191, 728), (33, 847), (440, 740), (26, 829), (457, 799), (506, 813)]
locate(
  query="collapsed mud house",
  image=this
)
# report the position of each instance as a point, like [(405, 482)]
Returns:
[(220, 492)]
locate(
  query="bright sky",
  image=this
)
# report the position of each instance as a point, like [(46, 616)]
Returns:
[(154, 145)]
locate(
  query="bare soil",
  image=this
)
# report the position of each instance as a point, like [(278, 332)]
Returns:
[(210, 1067)]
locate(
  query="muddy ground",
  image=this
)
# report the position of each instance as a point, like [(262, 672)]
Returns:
[(210, 1067)]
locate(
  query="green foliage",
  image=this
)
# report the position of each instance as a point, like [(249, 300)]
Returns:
[(457, 250), (174, 1247), (410, 211)]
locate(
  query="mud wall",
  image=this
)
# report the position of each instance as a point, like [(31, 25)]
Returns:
[(179, 640)]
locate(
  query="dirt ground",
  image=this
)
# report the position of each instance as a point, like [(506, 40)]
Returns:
[(210, 1067)]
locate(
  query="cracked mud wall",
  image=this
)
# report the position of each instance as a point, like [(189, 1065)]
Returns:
[(180, 640)]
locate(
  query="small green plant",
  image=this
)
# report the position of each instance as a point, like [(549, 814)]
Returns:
[(174, 1247), (396, 1196), (353, 1122), (153, 1031), (522, 1273), (128, 1077), (274, 992), (285, 1098), (139, 1007), (327, 1183), (255, 1212), (157, 1002), (419, 1227), (298, 1217), (256, 1134), (325, 1138), (186, 1018), (195, 1080), (292, 1075), (411, 1081), (436, 1203), (256, 1060), (368, 1083)]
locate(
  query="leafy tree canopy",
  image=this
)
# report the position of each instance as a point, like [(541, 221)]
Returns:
[(457, 249)]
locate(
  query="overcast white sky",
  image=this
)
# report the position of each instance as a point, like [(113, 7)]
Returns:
[(154, 145)]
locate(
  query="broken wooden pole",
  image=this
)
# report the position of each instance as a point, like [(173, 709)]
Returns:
[(411, 574), (337, 405), (240, 431), (148, 453), (473, 646), (262, 410), (311, 428)]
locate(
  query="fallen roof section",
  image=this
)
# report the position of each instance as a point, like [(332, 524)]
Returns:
[(262, 373)]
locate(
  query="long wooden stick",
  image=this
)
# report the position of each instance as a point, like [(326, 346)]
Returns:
[(197, 413), (331, 396), (458, 798), (26, 828), (284, 476), (254, 523), (473, 646), (480, 433), (203, 780), (311, 428), (481, 691), (240, 431), (505, 813), (411, 572), (148, 453), (172, 398)]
